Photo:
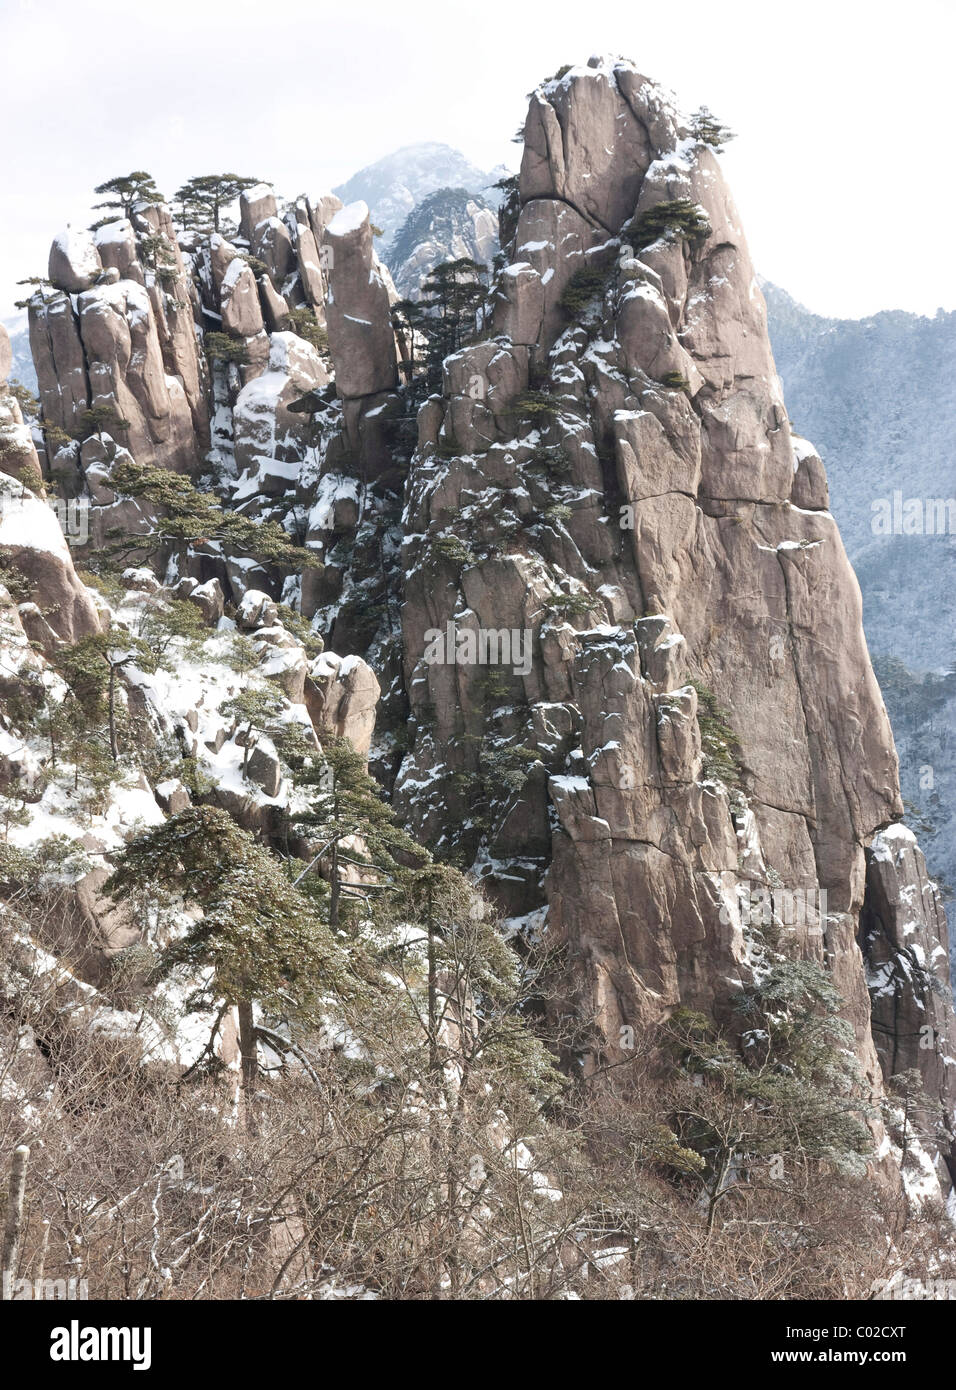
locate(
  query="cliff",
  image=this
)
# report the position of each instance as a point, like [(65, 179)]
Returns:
[(583, 602)]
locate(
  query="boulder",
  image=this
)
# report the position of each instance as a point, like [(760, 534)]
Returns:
[(256, 609), (255, 205), (239, 300), (341, 695), (116, 245), (74, 261), (263, 768), (32, 542), (209, 599)]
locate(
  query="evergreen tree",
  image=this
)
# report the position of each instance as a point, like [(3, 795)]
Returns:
[(100, 420), (908, 1107), (125, 191), (790, 1093), (345, 803), (42, 288), (92, 668), (203, 199), (259, 711), (190, 517), (167, 621), (258, 939), (448, 312), (676, 218), (707, 130)]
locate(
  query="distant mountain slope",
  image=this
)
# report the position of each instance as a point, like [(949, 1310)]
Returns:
[(876, 397), (446, 225), (393, 185), (22, 369)]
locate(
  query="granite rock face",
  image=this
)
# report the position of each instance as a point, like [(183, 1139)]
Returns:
[(361, 339), (689, 566), (904, 937), (594, 623), (54, 605)]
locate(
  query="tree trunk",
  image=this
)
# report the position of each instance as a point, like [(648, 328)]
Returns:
[(14, 1220), (432, 991), (334, 885), (112, 713), (717, 1190), (247, 1047)]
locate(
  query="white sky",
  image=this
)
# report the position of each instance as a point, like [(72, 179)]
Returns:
[(843, 108)]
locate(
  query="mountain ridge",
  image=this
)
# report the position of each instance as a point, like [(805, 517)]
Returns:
[(452, 748)]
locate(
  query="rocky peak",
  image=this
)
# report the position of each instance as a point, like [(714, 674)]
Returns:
[(664, 543), (581, 601), (393, 185)]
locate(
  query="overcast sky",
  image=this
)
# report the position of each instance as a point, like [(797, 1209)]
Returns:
[(843, 109)]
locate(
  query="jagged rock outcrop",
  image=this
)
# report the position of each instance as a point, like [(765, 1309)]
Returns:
[(341, 695), (361, 339), (54, 603), (268, 437), (62, 381), (120, 336), (622, 493), (904, 938), (613, 633)]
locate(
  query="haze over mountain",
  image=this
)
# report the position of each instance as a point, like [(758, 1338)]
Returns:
[(876, 395), (393, 185)]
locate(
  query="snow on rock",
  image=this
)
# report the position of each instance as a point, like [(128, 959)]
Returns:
[(269, 439), (74, 260), (342, 695)]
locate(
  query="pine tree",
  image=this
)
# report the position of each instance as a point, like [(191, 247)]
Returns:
[(708, 130), (43, 290), (223, 347), (203, 199), (449, 310), (345, 803), (791, 1091), (259, 711), (677, 218), (258, 939), (100, 420), (191, 517), (92, 668), (125, 191), (910, 1108)]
